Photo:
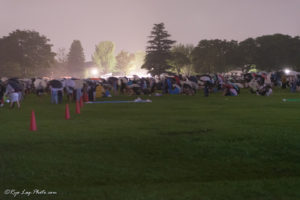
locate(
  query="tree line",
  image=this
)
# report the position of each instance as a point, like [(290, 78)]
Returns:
[(267, 53), (25, 53)]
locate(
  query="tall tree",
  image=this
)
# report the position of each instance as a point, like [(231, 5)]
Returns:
[(124, 60), (158, 51), (104, 56), (25, 52), (76, 59), (11, 69)]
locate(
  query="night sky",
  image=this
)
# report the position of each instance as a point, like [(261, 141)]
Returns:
[(128, 22)]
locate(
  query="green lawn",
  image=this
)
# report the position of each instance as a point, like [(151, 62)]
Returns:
[(177, 147)]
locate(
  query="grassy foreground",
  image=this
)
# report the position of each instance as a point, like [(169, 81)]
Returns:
[(177, 147)]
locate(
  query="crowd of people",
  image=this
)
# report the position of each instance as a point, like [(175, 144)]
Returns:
[(13, 90)]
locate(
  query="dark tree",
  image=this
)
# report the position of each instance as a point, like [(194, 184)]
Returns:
[(178, 61), (247, 53), (158, 51), (76, 59), (295, 52), (270, 52), (25, 53), (275, 52), (212, 56), (181, 60)]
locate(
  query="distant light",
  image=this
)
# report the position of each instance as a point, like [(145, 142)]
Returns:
[(94, 72), (287, 71)]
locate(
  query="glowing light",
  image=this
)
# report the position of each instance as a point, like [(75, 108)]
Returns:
[(287, 71), (95, 72)]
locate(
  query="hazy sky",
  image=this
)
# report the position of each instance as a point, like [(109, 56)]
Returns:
[(128, 22)]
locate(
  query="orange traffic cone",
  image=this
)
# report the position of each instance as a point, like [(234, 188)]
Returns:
[(67, 112), (33, 126), (81, 102), (77, 107)]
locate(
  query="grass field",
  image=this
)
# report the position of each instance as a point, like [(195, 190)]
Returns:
[(177, 147)]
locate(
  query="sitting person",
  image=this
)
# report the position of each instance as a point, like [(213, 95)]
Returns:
[(229, 90), (265, 90)]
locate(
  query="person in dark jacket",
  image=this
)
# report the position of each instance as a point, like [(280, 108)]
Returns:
[(206, 89)]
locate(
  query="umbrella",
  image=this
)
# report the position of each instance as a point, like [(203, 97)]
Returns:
[(40, 83), (55, 84), (3, 79), (15, 84), (220, 78), (70, 83), (205, 78), (112, 79)]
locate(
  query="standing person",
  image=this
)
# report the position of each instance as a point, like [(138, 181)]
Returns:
[(284, 82), (206, 89), (60, 94), (54, 96), (78, 94), (69, 91), (115, 87), (69, 86), (78, 89), (85, 90), (293, 85), (56, 88)]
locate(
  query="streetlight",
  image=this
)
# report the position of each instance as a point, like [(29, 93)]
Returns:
[(287, 71)]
